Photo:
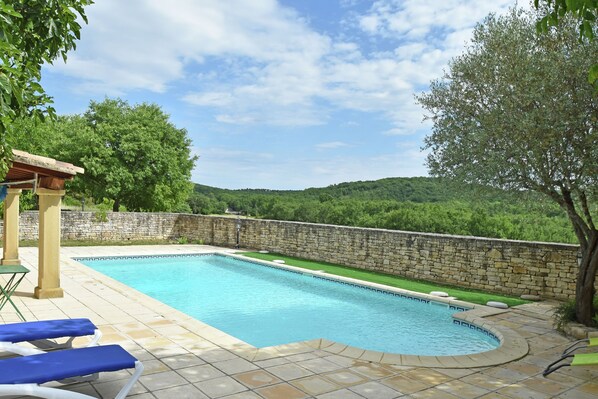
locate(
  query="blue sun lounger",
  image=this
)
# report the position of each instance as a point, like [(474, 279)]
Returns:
[(23, 375), (40, 334)]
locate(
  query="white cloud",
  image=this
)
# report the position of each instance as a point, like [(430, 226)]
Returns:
[(212, 99), (261, 62), (415, 19), (331, 145)]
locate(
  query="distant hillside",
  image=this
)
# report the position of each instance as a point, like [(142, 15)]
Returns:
[(423, 204), (402, 189)]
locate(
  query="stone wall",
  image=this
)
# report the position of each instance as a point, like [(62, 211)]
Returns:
[(503, 266), (109, 226)]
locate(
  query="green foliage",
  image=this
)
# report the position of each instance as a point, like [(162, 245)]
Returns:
[(585, 13), (32, 32), (424, 205), (515, 112), (132, 155), (565, 314)]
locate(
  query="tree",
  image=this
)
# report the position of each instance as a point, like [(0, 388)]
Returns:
[(132, 155), (32, 32), (584, 11), (515, 112)]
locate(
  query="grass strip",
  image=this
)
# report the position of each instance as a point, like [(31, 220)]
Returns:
[(425, 287)]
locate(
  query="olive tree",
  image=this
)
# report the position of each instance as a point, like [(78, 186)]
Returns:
[(515, 111), (585, 13), (32, 32)]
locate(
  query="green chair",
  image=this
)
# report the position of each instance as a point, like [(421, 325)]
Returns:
[(580, 359), (592, 341)]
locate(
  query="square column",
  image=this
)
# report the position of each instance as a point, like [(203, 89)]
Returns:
[(49, 244), (11, 227)]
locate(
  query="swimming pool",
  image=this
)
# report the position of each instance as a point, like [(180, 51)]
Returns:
[(266, 306)]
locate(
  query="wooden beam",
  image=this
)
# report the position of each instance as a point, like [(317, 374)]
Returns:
[(52, 183)]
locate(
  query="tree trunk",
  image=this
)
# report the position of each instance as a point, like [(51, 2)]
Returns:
[(586, 280), (116, 205)]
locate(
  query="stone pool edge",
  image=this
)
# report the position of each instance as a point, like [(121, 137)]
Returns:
[(512, 345)]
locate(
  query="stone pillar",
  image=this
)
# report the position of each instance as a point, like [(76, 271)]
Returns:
[(49, 244), (11, 227)]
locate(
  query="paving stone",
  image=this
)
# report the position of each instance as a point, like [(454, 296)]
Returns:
[(517, 391), (216, 355), (243, 395), (485, 381), (289, 371), (146, 395), (340, 394), (372, 370), (281, 391), (181, 361), (154, 366), (256, 378), (544, 385), (271, 362), (589, 387), (109, 389), (405, 384), (234, 366), (218, 387), (427, 375), (345, 378), (181, 392), (576, 394), (315, 385), (433, 393), (319, 365), (200, 373), (462, 389), (375, 390), (162, 380)]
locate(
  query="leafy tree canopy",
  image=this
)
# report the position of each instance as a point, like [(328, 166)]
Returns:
[(132, 155), (584, 11), (515, 111), (32, 32)]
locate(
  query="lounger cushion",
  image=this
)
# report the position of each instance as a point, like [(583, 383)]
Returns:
[(58, 365), (47, 329), (585, 359)]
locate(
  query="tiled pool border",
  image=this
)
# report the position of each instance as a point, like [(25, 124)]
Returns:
[(512, 345)]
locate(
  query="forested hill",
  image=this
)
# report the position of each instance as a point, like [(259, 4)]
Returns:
[(402, 189), (421, 204)]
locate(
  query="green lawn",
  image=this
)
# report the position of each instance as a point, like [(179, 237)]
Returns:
[(393, 281)]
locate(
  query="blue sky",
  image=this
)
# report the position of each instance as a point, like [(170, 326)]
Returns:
[(282, 94)]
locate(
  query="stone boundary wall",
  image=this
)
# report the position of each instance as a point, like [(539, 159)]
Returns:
[(110, 226), (502, 266)]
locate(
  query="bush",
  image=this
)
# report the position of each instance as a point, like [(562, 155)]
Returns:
[(565, 313)]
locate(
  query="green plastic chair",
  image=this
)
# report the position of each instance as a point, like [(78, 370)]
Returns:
[(592, 341), (580, 359)]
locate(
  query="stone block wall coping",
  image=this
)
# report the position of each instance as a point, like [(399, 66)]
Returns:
[(412, 233)]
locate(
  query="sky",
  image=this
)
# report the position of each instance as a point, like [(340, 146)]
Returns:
[(276, 94)]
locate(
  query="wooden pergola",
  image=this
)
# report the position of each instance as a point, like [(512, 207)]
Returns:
[(45, 177)]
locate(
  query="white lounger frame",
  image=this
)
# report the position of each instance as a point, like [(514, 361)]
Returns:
[(43, 345), (57, 393)]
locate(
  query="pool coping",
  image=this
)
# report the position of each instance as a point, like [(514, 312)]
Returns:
[(512, 345)]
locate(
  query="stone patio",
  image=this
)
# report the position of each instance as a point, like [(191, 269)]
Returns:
[(184, 358)]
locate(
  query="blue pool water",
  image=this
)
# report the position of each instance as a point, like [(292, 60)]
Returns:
[(266, 306)]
